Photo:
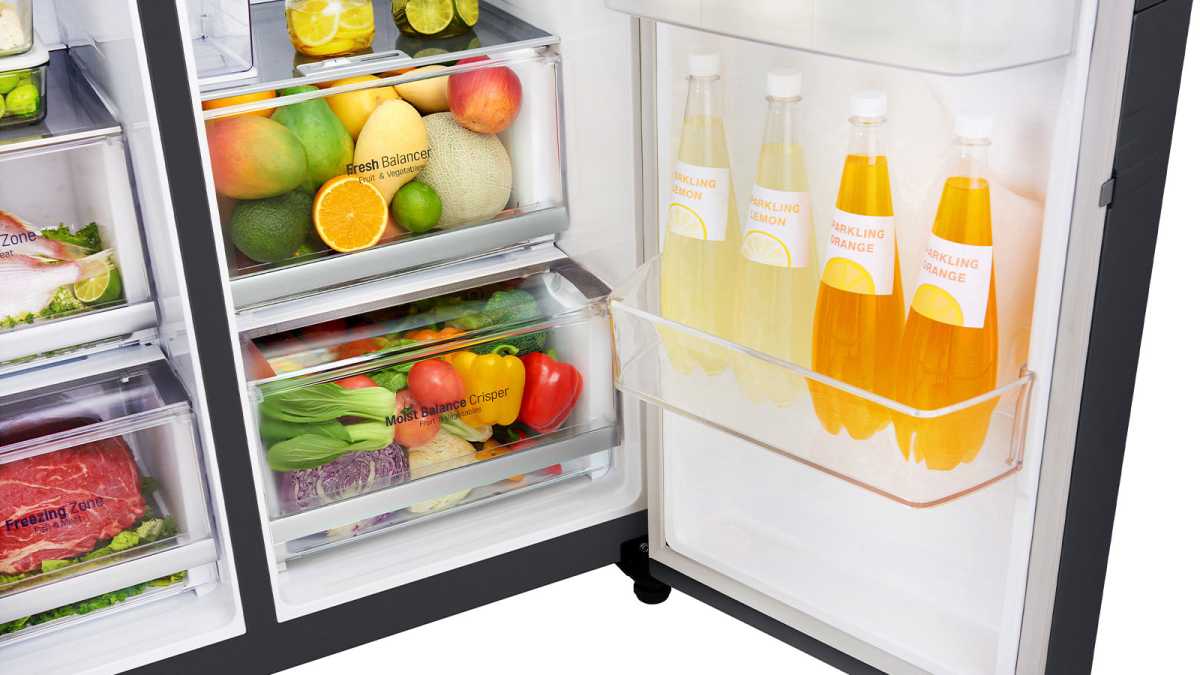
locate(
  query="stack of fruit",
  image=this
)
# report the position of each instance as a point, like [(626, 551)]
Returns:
[(345, 171)]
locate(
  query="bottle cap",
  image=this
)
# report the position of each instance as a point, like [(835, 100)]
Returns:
[(706, 64), (869, 103), (973, 126), (783, 83)]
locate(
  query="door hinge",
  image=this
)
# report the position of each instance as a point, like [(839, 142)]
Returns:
[(1107, 188)]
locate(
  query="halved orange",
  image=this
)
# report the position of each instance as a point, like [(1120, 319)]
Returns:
[(349, 214)]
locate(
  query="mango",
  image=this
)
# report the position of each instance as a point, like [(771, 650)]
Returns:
[(392, 148), (255, 157), (326, 142), (355, 107)]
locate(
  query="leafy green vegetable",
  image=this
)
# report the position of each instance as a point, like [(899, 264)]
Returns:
[(62, 302), (124, 540), (524, 344), (327, 402), (149, 530), (87, 238), (273, 430), (453, 424), (394, 378), (308, 451), (51, 565), (91, 604), (503, 307)]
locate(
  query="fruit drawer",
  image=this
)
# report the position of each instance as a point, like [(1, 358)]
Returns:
[(101, 490), (70, 246), (431, 405), (919, 458), (382, 167)]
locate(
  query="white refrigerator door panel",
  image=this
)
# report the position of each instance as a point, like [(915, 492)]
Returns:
[(941, 589)]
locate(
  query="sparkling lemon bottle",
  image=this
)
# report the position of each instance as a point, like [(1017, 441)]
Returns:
[(701, 246), (777, 280)]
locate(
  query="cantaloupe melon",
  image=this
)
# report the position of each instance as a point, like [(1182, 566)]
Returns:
[(392, 148), (471, 172)]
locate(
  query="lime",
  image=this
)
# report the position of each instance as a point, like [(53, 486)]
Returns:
[(416, 207), (467, 11), (1, 106), (429, 17), (101, 288), (8, 82), (23, 100)]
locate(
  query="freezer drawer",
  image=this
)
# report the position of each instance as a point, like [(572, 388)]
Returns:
[(375, 420), (102, 496)]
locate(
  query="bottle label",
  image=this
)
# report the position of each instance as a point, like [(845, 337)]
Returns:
[(699, 202), (954, 283), (861, 255), (778, 229)]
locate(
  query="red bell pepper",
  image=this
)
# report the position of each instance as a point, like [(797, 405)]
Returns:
[(552, 389)]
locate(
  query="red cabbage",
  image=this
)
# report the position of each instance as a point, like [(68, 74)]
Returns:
[(347, 476)]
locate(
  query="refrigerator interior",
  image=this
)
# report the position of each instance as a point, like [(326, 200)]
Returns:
[(909, 566), (125, 373)]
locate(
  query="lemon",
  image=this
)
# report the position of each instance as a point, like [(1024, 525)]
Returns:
[(766, 248), (937, 304), (312, 25), (467, 11), (848, 275), (684, 221), (429, 17), (360, 18), (100, 288)]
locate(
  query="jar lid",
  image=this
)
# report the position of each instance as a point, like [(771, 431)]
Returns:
[(36, 56)]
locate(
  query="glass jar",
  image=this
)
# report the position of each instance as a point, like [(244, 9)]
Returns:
[(435, 18), (329, 27), (16, 27)]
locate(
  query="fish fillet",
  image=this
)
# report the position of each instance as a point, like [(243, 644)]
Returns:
[(29, 283), (20, 238)]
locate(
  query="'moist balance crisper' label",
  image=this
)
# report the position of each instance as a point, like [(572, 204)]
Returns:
[(954, 283), (861, 255), (699, 205), (778, 228)]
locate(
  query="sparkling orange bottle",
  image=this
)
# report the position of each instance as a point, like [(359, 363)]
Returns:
[(949, 350), (859, 316)]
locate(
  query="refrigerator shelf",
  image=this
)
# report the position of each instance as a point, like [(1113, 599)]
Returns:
[(111, 463), (49, 339), (74, 111), (958, 37), (277, 64), (664, 363)]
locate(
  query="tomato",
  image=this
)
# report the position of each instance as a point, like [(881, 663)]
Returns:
[(356, 382), (257, 365), (435, 383), (348, 350), (411, 428)]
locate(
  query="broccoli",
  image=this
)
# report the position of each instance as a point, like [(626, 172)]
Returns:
[(502, 308), (124, 540), (63, 301)]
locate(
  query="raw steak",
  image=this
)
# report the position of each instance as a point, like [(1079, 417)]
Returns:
[(58, 505)]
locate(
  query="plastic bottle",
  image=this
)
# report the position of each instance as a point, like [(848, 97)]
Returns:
[(860, 306), (949, 350)]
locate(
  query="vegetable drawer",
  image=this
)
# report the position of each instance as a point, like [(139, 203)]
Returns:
[(101, 494), (433, 404), (361, 169), (946, 453)]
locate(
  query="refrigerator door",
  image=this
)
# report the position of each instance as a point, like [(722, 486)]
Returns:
[(869, 555)]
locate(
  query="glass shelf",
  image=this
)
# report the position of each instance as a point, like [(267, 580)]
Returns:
[(657, 362)]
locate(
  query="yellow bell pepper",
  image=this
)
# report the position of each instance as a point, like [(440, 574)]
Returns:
[(494, 383)]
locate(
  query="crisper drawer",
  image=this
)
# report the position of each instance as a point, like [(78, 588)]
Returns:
[(361, 167), (432, 405), (102, 496), (71, 259)]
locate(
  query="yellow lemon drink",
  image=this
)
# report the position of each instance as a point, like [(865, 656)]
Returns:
[(330, 27), (701, 244), (777, 279), (859, 316), (949, 350)]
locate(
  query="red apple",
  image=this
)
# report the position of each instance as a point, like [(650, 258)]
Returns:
[(485, 101)]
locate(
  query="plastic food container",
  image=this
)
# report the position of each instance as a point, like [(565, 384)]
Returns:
[(440, 19), (16, 27), (23, 86)]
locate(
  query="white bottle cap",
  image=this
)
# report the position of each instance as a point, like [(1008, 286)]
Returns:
[(706, 64), (783, 83), (870, 103), (973, 126)]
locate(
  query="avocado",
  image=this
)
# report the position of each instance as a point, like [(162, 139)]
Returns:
[(270, 230)]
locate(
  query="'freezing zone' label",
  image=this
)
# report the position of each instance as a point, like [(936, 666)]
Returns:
[(699, 205), (861, 255), (954, 283)]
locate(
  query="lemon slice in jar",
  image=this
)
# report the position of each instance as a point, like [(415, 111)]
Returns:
[(312, 25)]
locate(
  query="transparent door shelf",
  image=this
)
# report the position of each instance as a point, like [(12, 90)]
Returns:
[(503, 427), (101, 489), (74, 111), (498, 190), (221, 40), (653, 364), (951, 37)]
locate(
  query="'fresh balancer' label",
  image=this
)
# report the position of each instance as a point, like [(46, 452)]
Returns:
[(778, 228), (861, 255), (954, 283), (699, 205)]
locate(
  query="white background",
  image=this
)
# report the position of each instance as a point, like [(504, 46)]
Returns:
[(593, 624)]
